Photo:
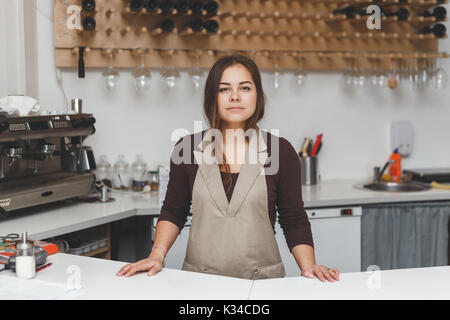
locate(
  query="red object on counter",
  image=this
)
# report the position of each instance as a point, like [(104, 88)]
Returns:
[(8, 249), (316, 145), (395, 167), (45, 266)]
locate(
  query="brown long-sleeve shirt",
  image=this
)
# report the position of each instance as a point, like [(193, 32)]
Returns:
[(283, 188)]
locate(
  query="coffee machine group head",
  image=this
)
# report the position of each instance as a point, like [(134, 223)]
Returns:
[(43, 159)]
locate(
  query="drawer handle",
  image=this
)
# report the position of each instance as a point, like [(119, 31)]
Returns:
[(47, 194)]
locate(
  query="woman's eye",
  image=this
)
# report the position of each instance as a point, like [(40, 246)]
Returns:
[(223, 89), (246, 88)]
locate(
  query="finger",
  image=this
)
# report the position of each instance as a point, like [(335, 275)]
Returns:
[(308, 274), (130, 272), (328, 276), (319, 275), (335, 274), (123, 270), (154, 270), (323, 269)]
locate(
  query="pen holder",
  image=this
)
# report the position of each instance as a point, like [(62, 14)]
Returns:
[(309, 172)]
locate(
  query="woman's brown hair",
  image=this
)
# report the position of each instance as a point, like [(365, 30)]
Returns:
[(210, 105)]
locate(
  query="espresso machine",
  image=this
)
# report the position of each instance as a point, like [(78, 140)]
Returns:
[(43, 160)]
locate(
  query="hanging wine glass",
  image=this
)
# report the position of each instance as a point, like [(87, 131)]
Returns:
[(196, 74), (402, 73), (424, 73), (300, 74), (141, 74), (440, 77), (393, 81), (276, 74), (411, 75), (355, 73), (417, 76), (111, 75), (373, 75), (381, 74), (347, 76), (430, 71), (362, 78), (171, 75)]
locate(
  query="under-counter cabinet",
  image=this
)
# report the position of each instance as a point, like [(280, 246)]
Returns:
[(405, 235), (92, 242)]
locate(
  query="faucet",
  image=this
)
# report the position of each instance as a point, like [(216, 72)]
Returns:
[(377, 173)]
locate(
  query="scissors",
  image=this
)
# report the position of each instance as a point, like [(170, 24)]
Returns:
[(9, 237)]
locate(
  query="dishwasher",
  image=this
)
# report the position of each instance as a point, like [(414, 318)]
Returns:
[(336, 235), (337, 240)]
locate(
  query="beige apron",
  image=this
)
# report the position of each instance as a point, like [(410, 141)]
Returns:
[(233, 239)]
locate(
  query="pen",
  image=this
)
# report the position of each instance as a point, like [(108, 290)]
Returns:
[(300, 153), (318, 149), (305, 147), (45, 266), (308, 150), (315, 149)]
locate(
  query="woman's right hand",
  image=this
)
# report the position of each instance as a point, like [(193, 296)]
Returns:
[(153, 264)]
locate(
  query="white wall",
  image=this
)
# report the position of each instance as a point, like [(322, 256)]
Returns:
[(355, 124), (3, 56), (18, 58)]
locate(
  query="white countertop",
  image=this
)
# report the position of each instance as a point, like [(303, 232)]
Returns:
[(417, 283), (98, 281), (342, 193), (77, 216)]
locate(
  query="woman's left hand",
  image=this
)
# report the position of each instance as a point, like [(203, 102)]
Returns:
[(321, 272)]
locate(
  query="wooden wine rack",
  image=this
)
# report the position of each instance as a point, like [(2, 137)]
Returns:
[(270, 31)]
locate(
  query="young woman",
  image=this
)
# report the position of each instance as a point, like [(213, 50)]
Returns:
[(234, 198)]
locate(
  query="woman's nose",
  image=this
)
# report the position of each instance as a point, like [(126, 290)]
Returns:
[(235, 95)]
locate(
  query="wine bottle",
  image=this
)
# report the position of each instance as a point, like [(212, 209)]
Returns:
[(195, 24), (167, 7), (211, 8), (182, 7), (88, 5), (167, 25), (136, 5), (439, 30), (439, 13), (401, 14), (211, 26), (350, 12), (196, 6), (88, 23), (151, 6)]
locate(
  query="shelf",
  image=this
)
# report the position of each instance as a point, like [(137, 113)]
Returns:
[(96, 252)]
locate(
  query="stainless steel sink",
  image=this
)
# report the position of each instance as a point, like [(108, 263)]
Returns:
[(392, 186)]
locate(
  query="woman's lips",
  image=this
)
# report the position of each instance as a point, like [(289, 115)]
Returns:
[(235, 108)]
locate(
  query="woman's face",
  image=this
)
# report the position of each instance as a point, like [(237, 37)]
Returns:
[(237, 96)]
